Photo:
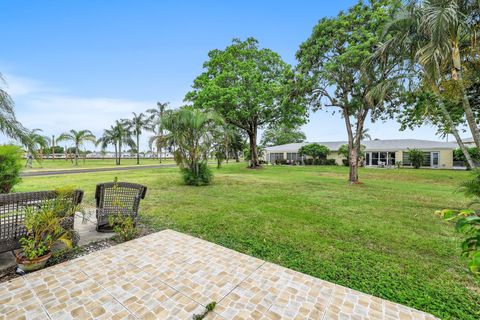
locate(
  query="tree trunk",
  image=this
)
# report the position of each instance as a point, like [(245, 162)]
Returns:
[(237, 159), (138, 149), (253, 149), (76, 155), (116, 154), (457, 74), (119, 153), (353, 163), (455, 133)]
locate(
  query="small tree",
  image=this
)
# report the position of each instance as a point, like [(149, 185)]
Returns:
[(416, 157), (191, 131), (314, 150), (10, 166)]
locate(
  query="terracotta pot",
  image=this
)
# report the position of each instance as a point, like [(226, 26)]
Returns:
[(31, 265)]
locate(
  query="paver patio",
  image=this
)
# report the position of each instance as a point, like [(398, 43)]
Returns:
[(170, 275)]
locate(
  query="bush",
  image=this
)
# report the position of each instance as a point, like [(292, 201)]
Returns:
[(416, 157), (10, 166), (203, 177), (281, 161), (330, 162), (345, 162)]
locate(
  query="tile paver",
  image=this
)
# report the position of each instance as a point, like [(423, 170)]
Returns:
[(169, 275)]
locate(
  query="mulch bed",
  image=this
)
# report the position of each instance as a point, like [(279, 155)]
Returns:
[(65, 255)]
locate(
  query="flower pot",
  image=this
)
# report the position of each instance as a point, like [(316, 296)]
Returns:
[(32, 265)]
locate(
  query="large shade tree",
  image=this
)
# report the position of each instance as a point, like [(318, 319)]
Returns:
[(249, 87), (336, 70), (78, 139)]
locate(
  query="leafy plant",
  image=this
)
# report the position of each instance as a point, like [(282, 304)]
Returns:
[(123, 225), (416, 157), (468, 222), (208, 308), (202, 176), (10, 166), (44, 228)]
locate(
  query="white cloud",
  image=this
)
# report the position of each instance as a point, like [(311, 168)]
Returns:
[(40, 106), (21, 86)]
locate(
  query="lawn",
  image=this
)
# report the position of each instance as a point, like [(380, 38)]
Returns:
[(62, 164), (380, 237)]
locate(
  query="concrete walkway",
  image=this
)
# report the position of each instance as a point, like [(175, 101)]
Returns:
[(169, 275), (75, 171)]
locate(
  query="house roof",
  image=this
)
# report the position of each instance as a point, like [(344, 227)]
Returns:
[(373, 145)]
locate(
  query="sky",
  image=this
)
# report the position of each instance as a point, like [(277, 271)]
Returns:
[(84, 64)]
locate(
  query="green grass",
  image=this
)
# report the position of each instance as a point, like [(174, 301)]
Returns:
[(62, 164), (380, 237)]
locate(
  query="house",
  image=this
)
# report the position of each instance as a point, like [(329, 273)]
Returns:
[(437, 154)]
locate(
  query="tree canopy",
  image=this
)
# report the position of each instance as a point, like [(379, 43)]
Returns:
[(337, 69), (281, 134), (250, 87)]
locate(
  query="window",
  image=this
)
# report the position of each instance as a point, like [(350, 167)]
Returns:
[(430, 159), (391, 158), (374, 158), (435, 159), (275, 156), (293, 157)]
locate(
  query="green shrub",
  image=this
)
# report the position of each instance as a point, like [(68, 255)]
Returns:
[(10, 166), (202, 177), (123, 226), (330, 162), (44, 228), (416, 157)]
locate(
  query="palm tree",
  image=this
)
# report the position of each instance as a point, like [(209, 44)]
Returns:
[(78, 138), (109, 138), (190, 130), (156, 116), (136, 125), (435, 34), (38, 141), (9, 124)]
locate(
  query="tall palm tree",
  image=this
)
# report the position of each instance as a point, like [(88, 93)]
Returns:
[(138, 123), (78, 138), (156, 116), (38, 141), (109, 138), (435, 34), (9, 125)]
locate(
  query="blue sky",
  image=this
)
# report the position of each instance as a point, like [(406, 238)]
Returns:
[(83, 64)]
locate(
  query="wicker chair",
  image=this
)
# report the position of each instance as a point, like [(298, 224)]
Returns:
[(12, 214), (116, 198)]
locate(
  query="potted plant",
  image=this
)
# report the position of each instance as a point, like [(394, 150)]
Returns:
[(44, 229)]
